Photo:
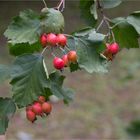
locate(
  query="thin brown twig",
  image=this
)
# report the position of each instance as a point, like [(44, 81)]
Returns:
[(61, 4), (105, 19), (44, 50), (100, 25), (45, 4), (67, 47), (52, 53)]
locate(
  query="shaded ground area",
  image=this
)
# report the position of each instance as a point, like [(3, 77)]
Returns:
[(103, 106)]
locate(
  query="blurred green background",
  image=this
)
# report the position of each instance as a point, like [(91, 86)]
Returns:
[(104, 104)]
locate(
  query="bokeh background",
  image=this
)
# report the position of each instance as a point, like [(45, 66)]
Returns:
[(106, 106)]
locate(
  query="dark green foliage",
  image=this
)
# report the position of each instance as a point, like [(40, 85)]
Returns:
[(7, 110), (134, 128)]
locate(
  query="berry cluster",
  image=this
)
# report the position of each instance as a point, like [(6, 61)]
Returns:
[(53, 40), (59, 40), (38, 108), (60, 63), (111, 50)]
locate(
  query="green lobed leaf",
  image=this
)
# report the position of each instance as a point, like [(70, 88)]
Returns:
[(24, 31), (88, 11), (52, 20), (7, 110), (74, 67), (4, 73), (19, 49), (90, 35), (29, 79), (89, 59), (24, 28), (134, 20), (87, 44), (111, 3), (125, 33), (56, 82)]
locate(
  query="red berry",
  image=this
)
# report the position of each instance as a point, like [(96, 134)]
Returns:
[(52, 39), (58, 63), (113, 48), (41, 99), (72, 56), (61, 39), (43, 40), (65, 59), (30, 116), (46, 107), (37, 109)]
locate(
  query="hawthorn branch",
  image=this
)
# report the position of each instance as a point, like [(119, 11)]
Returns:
[(67, 47), (63, 50), (45, 4), (61, 4), (105, 19), (52, 52), (44, 50), (46, 70), (100, 25), (44, 64), (100, 7)]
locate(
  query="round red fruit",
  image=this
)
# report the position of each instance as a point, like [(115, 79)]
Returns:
[(41, 99), (61, 39), (113, 48), (30, 116), (58, 63), (65, 59), (52, 39), (43, 40), (72, 56), (46, 107), (37, 109)]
